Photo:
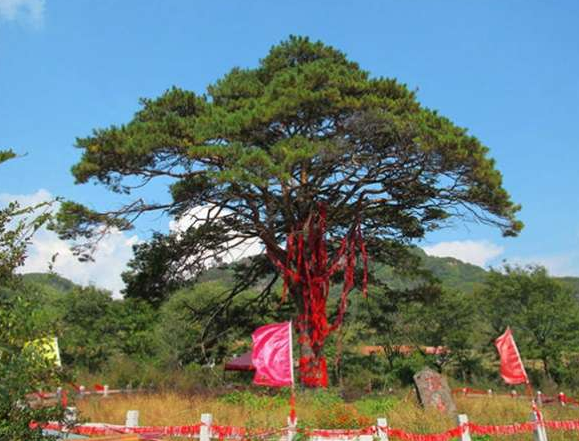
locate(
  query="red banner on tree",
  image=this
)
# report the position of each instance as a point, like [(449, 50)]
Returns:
[(272, 355), (512, 369)]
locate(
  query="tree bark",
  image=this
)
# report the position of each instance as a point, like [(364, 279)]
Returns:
[(312, 363)]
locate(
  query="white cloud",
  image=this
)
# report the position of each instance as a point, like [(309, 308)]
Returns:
[(193, 216), (111, 257), (30, 11), (478, 252), (202, 214), (113, 252), (26, 200), (559, 265)]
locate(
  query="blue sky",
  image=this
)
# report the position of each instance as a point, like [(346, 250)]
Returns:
[(506, 70)]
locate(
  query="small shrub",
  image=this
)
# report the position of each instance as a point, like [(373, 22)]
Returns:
[(24, 370), (195, 378), (122, 371), (375, 406), (320, 399), (338, 416)]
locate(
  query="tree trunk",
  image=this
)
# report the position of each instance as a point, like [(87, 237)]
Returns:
[(312, 364), (307, 270), (547, 368)]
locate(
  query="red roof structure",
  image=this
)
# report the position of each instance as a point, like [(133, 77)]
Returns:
[(405, 350), (241, 363)]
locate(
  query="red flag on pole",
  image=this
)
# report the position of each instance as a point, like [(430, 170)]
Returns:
[(512, 369), (272, 355)]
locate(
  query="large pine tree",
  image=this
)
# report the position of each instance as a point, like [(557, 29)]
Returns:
[(307, 153)]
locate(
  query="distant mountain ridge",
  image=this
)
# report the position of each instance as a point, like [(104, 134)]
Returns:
[(456, 274), (451, 272), (51, 280)]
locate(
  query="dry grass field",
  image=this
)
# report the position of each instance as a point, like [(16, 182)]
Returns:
[(247, 410)]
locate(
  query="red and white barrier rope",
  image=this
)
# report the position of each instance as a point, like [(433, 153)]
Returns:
[(561, 398), (233, 432), (93, 429)]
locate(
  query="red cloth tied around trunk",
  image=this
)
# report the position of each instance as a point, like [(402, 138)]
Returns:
[(308, 269)]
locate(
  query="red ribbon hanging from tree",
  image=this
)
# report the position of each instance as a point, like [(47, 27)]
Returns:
[(307, 266)]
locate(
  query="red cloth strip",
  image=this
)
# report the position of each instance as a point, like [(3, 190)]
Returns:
[(336, 433), (444, 436), (113, 430), (511, 429)]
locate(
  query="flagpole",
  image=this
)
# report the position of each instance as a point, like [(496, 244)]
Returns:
[(292, 415), (291, 348), (528, 385)]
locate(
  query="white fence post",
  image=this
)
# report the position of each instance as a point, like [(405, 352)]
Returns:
[(539, 398), (205, 430), (291, 428), (71, 415), (132, 419), (382, 423), (561, 398), (105, 391), (490, 392), (465, 431), (81, 390), (540, 434)]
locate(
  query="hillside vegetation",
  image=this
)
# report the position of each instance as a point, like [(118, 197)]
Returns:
[(464, 308)]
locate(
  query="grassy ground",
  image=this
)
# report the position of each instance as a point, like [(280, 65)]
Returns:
[(322, 410)]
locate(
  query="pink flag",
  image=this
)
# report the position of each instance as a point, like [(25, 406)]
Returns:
[(272, 355), (512, 369)]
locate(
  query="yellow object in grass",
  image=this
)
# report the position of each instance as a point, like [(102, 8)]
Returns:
[(47, 347)]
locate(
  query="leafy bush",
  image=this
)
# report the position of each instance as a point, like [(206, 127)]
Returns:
[(321, 399), (195, 378), (338, 416), (122, 371), (404, 368), (23, 371), (375, 406), (96, 327)]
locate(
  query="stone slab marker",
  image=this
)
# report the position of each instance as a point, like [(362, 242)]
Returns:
[(433, 391)]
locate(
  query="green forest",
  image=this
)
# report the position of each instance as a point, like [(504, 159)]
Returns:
[(182, 343)]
